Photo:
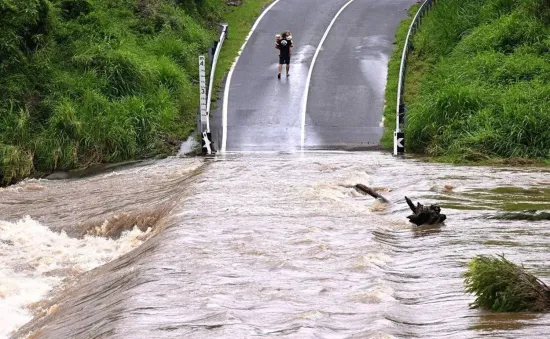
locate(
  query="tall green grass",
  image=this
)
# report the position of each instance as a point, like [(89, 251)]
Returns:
[(87, 81), (482, 81)]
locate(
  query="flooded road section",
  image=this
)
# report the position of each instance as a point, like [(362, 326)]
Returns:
[(282, 246), (56, 230)]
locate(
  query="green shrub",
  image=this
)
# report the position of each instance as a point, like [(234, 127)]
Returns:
[(72, 9), (24, 25), (503, 286)]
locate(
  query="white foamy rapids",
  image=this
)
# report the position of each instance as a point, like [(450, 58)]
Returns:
[(355, 177), (33, 260), (342, 187)]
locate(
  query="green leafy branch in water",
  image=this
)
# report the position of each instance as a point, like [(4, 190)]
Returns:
[(503, 286)]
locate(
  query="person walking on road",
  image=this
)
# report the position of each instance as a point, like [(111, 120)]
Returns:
[(283, 43)]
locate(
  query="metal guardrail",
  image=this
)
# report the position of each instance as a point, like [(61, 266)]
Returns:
[(223, 35), (206, 136), (399, 135)]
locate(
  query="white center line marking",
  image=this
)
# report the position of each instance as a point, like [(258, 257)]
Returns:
[(308, 80)]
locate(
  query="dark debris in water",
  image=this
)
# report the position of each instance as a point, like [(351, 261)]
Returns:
[(6, 242), (425, 215)]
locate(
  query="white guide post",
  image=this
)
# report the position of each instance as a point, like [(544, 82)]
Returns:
[(203, 98)]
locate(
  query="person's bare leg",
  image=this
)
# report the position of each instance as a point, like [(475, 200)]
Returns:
[(280, 70), (287, 69)]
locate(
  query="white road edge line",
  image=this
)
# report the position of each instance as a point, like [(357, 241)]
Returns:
[(308, 80), (230, 75)]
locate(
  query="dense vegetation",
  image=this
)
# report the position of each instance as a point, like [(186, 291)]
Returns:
[(478, 83), (87, 81), (503, 286)]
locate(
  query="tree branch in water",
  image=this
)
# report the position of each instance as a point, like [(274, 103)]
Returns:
[(371, 192)]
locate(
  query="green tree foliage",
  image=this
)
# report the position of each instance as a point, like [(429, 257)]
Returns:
[(503, 286), (86, 81)]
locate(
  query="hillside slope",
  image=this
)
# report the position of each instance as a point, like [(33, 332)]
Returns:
[(478, 82), (88, 81)]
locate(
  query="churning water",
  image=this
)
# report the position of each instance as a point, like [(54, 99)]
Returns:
[(265, 245)]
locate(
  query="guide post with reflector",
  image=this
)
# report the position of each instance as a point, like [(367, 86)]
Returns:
[(205, 132), (398, 143), (399, 135)]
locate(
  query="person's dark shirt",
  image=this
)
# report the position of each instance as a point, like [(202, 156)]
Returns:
[(284, 51)]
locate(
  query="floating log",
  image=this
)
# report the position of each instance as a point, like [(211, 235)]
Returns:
[(370, 192), (502, 286), (428, 215)]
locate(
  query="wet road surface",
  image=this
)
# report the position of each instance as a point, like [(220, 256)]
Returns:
[(346, 92)]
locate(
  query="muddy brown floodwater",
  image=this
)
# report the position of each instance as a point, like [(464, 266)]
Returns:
[(265, 245)]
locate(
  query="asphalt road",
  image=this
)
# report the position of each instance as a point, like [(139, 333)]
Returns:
[(346, 91)]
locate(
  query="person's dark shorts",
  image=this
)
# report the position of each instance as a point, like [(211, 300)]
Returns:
[(284, 60)]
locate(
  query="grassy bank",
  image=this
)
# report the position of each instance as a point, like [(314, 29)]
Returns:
[(90, 81), (478, 82), (240, 20)]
